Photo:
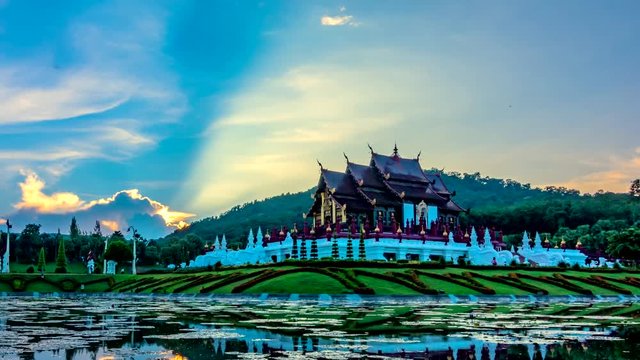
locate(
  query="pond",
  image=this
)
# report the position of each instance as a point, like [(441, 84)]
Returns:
[(35, 326)]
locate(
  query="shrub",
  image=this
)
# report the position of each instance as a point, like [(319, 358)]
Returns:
[(442, 261), (391, 277), (513, 263), (617, 266), (575, 266), (30, 269), (562, 265), (461, 261), (218, 266)]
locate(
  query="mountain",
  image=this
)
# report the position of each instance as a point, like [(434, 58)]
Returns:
[(505, 204)]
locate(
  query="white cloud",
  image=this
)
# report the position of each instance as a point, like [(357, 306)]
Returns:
[(339, 20), (117, 212), (64, 115), (71, 94), (267, 140), (336, 20)]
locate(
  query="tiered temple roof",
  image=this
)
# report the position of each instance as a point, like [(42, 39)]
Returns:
[(388, 181)]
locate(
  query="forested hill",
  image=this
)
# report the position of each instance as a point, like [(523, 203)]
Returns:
[(506, 204)]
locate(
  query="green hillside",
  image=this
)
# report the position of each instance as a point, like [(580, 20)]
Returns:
[(505, 204)]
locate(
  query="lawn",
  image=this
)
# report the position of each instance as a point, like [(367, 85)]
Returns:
[(299, 283), (304, 282)]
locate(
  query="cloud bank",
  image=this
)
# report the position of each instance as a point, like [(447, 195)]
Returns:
[(123, 209)]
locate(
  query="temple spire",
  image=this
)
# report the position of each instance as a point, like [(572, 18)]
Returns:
[(419, 153), (321, 167), (395, 149), (346, 157), (370, 148)]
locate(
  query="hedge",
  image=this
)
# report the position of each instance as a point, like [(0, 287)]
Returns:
[(396, 280), (136, 283), (233, 277), (462, 281), (599, 282), (270, 275), (199, 280), (511, 280), (558, 281)]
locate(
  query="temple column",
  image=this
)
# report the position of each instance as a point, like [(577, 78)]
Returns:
[(321, 209), (333, 211)]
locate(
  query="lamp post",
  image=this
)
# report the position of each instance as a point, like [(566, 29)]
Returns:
[(134, 239)]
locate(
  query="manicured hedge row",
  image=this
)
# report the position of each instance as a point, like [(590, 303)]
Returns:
[(599, 282), (560, 282), (356, 285), (136, 283), (511, 280), (271, 275), (391, 278), (462, 281), (199, 280), (322, 263), (149, 285), (626, 281), (109, 279), (168, 282), (121, 284), (412, 277), (233, 277), (19, 283)]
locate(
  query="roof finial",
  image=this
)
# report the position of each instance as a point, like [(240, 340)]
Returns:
[(370, 148), (321, 167), (418, 157), (395, 149), (346, 157)]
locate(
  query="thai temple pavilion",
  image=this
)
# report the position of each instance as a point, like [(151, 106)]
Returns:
[(391, 191), (394, 210)]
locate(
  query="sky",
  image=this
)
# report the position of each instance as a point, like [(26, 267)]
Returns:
[(154, 114)]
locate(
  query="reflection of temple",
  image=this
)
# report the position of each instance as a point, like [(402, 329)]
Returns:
[(391, 191)]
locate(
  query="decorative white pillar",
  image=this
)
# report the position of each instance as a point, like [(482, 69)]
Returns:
[(5, 259), (104, 259)]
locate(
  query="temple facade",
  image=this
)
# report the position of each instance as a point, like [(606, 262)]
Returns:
[(391, 192)]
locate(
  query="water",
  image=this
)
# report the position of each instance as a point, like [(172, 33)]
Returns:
[(232, 327)]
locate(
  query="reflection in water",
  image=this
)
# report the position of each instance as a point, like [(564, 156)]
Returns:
[(110, 327)]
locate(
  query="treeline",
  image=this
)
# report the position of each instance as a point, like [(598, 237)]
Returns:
[(550, 215), (79, 247), (508, 205)]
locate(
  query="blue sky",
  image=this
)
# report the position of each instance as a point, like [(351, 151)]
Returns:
[(188, 108)]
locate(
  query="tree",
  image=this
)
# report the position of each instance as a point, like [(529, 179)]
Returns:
[(74, 232), (634, 190), (314, 249), (334, 248), (42, 261), (303, 249), (119, 251), (27, 245), (626, 244), (61, 260), (350, 248), (362, 253), (152, 255)]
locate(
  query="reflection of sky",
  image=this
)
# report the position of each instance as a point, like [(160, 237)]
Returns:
[(204, 105)]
